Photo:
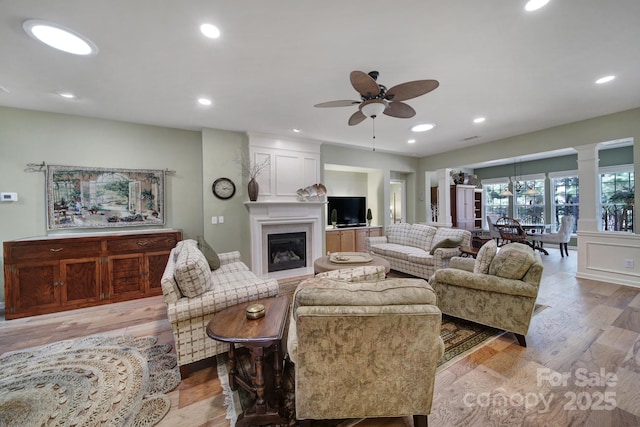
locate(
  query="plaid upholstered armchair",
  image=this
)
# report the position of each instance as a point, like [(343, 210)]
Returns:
[(194, 294)]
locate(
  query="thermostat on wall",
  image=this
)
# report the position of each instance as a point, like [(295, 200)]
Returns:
[(8, 197)]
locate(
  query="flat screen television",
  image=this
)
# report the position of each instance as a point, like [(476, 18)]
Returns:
[(352, 211)]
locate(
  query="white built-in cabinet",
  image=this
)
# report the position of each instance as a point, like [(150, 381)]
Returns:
[(468, 207)]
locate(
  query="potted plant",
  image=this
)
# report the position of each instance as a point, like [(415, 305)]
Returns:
[(369, 217), (334, 217)]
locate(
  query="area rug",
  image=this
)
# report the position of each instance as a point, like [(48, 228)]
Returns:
[(105, 381)]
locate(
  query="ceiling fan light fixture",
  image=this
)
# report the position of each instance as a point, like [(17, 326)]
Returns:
[(373, 107), (506, 192), (531, 192)]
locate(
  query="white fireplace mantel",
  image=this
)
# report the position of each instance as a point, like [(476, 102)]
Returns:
[(281, 216)]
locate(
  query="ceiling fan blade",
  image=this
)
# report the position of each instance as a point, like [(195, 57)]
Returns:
[(356, 118), (400, 110), (364, 84), (341, 103), (409, 90)]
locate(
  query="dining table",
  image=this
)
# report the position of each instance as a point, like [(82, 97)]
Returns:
[(534, 230)]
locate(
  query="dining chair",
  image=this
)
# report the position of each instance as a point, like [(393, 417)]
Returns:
[(562, 237), (511, 231), (494, 233)]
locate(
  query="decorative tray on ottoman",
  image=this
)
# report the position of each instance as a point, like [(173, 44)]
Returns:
[(350, 257)]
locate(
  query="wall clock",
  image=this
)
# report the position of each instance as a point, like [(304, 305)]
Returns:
[(223, 188)]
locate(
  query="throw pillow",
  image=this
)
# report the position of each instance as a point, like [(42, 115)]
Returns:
[(192, 272), (209, 253), (485, 256), (512, 261), (452, 242)]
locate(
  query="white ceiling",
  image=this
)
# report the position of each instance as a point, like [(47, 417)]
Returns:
[(276, 59)]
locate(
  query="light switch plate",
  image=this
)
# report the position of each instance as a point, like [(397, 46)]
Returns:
[(8, 197)]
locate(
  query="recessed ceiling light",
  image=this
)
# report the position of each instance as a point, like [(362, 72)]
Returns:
[(605, 79), (411, 141), (297, 130), (205, 101), (210, 31), (535, 5), (67, 95), (479, 120), (422, 128), (59, 37)]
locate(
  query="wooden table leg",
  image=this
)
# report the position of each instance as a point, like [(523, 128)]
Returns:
[(261, 413), (277, 368), (232, 367)]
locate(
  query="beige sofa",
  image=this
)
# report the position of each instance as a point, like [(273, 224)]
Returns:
[(194, 294), (364, 349), (496, 289), (409, 248)]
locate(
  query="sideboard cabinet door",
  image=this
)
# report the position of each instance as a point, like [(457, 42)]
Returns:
[(80, 282), (34, 289)]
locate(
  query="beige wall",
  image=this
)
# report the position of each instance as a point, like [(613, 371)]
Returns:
[(33, 137), (220, 154)]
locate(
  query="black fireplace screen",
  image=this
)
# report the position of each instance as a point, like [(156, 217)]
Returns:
[(287, 251)]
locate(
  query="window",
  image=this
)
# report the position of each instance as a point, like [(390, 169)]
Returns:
[(617, 190), (564, 190), (494, 202), (529, 200)]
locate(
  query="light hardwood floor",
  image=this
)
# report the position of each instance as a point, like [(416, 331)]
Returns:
[(589, 333)]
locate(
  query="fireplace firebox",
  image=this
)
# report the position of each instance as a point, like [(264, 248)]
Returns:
[(287, 251)]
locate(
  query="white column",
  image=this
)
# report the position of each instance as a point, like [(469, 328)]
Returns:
[(427, 197), (590, 209), (444, 198)]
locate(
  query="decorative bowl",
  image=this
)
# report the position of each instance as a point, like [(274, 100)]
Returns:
[(256, 311)]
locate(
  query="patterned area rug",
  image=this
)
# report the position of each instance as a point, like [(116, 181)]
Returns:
[(106, 381)]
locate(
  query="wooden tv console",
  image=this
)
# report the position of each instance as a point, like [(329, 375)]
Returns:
[(50, 274)]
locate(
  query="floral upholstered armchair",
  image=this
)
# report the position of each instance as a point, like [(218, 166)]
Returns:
[(499, 288), (364, 349)]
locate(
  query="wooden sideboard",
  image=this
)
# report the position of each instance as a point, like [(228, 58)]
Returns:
[(350, 239), (46, 275)]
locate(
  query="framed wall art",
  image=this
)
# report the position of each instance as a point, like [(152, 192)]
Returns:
[(87, 197)]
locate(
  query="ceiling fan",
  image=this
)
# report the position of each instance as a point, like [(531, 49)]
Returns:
[(376, 99)]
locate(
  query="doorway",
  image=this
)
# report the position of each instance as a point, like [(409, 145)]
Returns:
[(398, 201)]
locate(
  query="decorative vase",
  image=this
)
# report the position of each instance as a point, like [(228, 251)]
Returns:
[(252, 189)]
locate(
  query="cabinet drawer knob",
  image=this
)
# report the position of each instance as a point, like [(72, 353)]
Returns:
[(143, 243), (56, 249)]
